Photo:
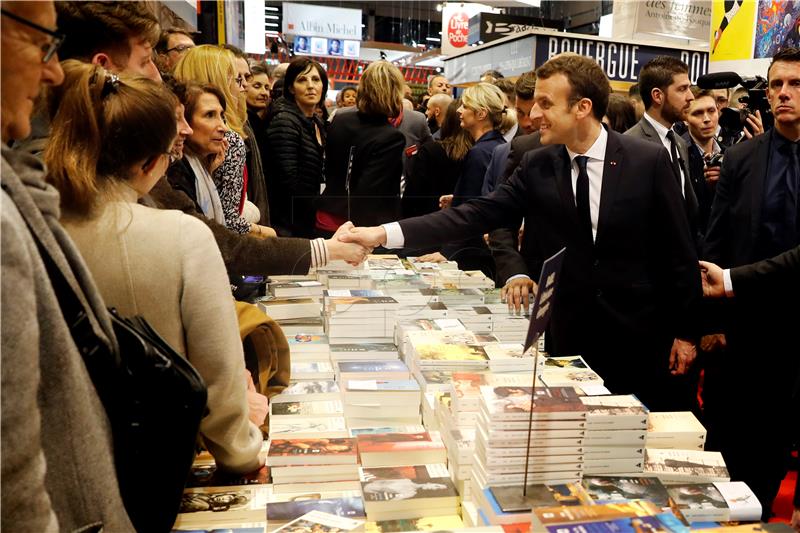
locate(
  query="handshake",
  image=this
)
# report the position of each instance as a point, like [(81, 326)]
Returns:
[(352, 244)]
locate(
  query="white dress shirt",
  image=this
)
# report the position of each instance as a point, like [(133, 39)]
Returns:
[(662, 134), (594, 168)]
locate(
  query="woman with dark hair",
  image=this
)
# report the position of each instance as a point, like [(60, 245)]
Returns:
[(620, 113), (435, 168), (111, 142), (295, 149)]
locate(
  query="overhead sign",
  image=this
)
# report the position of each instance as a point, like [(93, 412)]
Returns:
[(512, 59), (620, 61), (320, 46), (487, 27), (321, 21), (455, 24), (687, 19)]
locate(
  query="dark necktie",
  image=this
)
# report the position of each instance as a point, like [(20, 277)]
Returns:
[(792, 200), (673, 152), (582, 195)]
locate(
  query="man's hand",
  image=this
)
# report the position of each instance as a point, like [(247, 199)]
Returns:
[(681, 356), (517, 293), (754, 120), (344, 228), (352, 253), (711, 174), (712, 278), (368, 237), (445, 201)]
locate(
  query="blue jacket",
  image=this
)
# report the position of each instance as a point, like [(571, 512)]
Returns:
[(470, 183)]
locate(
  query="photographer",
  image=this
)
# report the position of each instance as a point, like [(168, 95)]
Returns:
[(705, 153)]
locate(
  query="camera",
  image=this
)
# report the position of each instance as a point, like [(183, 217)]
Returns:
[(733, 121), (714, 161)]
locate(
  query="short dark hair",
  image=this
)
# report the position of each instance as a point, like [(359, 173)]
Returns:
[(658, 74), (163, 40), (92, 27), (494, 74), (506, 86), (620, 113), (297, 67), (585, 77), (178, 88), (790, 53), (259, 67), (633, 91), (525, 86)]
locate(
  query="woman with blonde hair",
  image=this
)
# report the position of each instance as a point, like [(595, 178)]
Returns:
[(212, 65), (484, 116), (110, 143), (364, 155)]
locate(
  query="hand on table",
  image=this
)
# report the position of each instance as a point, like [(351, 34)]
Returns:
[(517, 293)]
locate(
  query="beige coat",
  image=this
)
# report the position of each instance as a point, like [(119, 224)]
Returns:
[(165, 266)]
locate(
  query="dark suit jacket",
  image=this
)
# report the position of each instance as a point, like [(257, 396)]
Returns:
[(414, 127), (644, 130), (375, 176), (779, 276), (634, 283), (504, 242), (431, 175), (703, 190)]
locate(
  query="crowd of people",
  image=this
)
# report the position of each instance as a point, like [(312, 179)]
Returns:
[(152, 171)]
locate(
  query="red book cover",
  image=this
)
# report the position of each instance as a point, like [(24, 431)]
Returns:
[(397, 442), (314, 447)]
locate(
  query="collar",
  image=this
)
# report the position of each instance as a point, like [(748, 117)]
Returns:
[(714, 150), (490, 135), (659, 127), (781, 142), (597, 151)]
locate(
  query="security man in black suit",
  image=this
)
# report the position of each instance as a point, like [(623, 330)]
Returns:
[(630, 272), (755, 216)]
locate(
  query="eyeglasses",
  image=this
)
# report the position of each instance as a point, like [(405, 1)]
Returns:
[(48, 49), (240, 80), (181, 48)]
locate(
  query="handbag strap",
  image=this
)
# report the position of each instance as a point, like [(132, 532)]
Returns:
[(73, 311)]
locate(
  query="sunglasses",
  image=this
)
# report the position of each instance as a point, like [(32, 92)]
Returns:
[(181, 48), (49, 49)]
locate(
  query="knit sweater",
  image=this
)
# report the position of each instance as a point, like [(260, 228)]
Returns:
[(57, 463), (166, 267)]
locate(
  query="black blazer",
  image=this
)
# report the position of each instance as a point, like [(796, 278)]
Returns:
[(636, 281), (779, 276), (644, 130), (431, 174), (375, 175), (703, 190), (736, 211), (504, 242)]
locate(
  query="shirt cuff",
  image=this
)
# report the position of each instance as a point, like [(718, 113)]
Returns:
[(726, 280), (515, 276), (394, 235), (319, 253)]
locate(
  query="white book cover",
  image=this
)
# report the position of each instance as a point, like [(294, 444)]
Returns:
[(742, 502), (320, 522)]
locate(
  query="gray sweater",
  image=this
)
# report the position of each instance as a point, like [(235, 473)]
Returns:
[(57, 462)]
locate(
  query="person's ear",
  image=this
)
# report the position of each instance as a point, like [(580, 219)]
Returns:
[(104, 60), (150, 165), (657, 95), (583, 108)]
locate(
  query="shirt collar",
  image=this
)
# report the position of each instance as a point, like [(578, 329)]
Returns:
[(715, 150), (597, 151), (660, 128)]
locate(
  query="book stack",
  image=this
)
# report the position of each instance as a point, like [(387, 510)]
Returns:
[(508, 505), (296, 289), (403, 329), (570, 371), (285, 507), (675, 430), (308, 347), (353, 316), (320, 522), (685, 466), (371, 370), (476, 318), (511, 327), (462, 279), (443, 350), (400, 449), (372, 351), (454, 297), (356, 279), (428, 267), (616, 429), (715, 502), (312, 390), (313, 464), (281, 309), (311, 370), (384, 262), (620, 489), (381, 402), (508, 357), (407, 492), (288, 412), (636, 515), (501, 440), (426, 523)]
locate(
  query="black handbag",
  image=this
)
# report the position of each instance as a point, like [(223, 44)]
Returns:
[(154, 399)]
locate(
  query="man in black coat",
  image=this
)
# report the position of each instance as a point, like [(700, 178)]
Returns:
[(755, 216), (630, 272)]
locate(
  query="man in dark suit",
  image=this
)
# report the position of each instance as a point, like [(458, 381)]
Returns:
[(754, 217), (630, 271), (779, 275), (665, 90)]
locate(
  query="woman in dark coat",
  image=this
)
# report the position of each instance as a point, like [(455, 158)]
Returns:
[(365, 155), (435, 168), (295, 149)]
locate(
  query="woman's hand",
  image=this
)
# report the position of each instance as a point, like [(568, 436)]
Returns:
[(216, 160)]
